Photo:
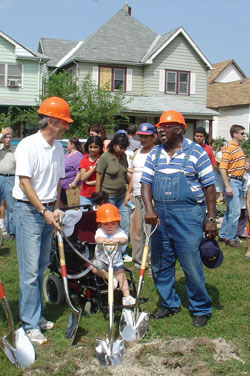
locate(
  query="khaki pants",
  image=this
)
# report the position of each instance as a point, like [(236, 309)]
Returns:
[(137, 235)]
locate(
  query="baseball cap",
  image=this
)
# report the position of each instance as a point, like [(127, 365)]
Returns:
[(121, 131), (211, 254), (69, 220), (146, 128)]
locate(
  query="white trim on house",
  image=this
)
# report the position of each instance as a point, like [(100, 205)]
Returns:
[(69, 54), (169, 40)]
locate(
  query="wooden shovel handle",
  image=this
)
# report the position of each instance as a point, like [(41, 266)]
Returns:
[(144, 260)]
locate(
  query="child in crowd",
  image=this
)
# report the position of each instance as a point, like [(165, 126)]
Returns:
[(99, 198), (108, 218)]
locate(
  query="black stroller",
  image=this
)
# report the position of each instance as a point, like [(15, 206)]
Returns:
[(85, 288)]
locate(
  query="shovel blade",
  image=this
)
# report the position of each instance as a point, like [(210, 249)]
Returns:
[(132, 329), (72, 326), (22, 354), (110, 354)]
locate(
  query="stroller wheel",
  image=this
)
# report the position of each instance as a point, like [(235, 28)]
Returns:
[(53, 290), (91, 306)]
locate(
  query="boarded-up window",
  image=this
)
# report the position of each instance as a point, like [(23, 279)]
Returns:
[(112, 78), (105, 78)]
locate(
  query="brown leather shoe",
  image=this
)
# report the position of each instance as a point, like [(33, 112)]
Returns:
[(233, 243)]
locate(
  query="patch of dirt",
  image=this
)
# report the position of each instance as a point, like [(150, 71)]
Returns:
[(171, 357)]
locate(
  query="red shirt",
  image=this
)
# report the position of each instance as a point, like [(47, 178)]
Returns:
[(210, 153), (87, 190)]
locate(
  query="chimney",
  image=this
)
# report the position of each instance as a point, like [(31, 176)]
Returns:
[(127, 8)]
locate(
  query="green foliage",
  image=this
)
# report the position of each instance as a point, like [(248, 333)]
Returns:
[(6, 119), (88, 104), (219, 141), (246, 145)]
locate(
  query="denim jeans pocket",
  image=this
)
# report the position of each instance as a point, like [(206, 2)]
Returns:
[(165, 188)]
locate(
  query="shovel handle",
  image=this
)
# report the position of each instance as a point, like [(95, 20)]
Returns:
[(144, 260), (110, 285), (2, 293), (62, 258)]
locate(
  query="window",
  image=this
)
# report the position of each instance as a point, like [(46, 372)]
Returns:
[(112, 79), (11, 75), (177, 82)]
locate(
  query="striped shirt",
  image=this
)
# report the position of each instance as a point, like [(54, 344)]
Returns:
[(233, 160), (198, 172)]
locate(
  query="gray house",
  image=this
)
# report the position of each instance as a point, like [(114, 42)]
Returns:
[(156, 72)]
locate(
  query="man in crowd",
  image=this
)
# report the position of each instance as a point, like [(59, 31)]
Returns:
[(39, 167), (199, 138), (147, 136), (7, 178), (133, 143), (178, 178), (232, 167)]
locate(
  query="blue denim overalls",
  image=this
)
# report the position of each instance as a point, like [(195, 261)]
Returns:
[(178, 237)]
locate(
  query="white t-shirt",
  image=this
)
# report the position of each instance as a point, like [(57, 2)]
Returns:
[(138, 165), (43, 163), (100, 254)]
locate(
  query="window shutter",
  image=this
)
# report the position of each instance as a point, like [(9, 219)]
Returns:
[(162, 81), (192, 83), (129, 80), (95, 75)]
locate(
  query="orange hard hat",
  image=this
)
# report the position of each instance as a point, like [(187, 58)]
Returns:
[(171, 116), (107, 213), (55, 107)]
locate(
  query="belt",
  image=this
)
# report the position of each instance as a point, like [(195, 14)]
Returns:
[(7, 174), (236, 177), (46, 204)]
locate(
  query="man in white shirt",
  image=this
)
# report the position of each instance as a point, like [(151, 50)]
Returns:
[(39, 168), (147, 136)]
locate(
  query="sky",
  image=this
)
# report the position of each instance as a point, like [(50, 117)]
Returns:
[(220, 28)]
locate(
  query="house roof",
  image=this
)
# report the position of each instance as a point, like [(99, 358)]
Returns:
[(6, 101), (218, 68), (23, 52), (226, 94), (56, 49), (156, 105), (121, 40)]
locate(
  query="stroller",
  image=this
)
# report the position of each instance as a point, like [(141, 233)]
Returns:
[(85, 288)]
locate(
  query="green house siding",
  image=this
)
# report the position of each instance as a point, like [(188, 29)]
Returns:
[(31, 75), (178, 55)]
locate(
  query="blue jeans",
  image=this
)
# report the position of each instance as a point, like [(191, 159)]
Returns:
[(33, 241), (124, 211), (85, 201), (229, 227), (178, 237), (6, 186)]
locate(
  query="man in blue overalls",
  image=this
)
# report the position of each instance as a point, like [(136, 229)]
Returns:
[(177, 190)]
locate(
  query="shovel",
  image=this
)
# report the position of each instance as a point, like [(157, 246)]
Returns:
[(110, 352), (16, 344), (133, 324), (75, 315)]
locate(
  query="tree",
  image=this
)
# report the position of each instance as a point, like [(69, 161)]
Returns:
[(88, 104)]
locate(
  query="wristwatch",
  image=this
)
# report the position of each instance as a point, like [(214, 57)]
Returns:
[(211, 219), (42, 212)]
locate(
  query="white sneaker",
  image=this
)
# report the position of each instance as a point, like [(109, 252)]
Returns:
[(115, 283), (36, 336), (45, 324), (129, 301), (127, 258)]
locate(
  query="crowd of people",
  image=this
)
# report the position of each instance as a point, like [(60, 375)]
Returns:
[(161, 179)]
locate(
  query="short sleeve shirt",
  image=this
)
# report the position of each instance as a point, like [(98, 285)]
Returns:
[(114, 173)]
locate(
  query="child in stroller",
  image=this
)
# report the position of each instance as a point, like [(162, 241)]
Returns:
[(108, 218), (85, 288)]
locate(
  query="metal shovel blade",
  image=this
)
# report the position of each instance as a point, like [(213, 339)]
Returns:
[(110, 354), (22, 353), (72, 326), (132, 328)]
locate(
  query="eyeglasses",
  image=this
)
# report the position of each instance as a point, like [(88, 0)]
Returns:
[(241, 132)]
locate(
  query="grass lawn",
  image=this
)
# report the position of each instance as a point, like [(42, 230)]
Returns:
[(228, 286)]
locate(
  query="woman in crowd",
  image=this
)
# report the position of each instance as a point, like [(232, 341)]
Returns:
[(112, 178), (98, 130), (71, 183), (93, 149)]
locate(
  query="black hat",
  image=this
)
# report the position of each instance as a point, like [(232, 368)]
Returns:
[(211, 254)]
